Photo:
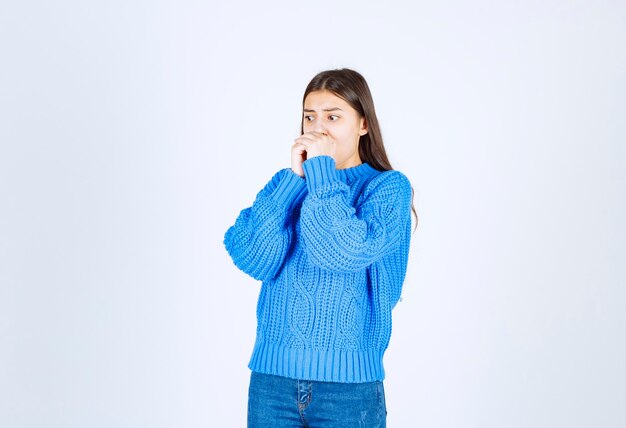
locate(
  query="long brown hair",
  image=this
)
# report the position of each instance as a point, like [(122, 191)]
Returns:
[(352, 87)]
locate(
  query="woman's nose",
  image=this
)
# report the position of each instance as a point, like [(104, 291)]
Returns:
[(320, 128)]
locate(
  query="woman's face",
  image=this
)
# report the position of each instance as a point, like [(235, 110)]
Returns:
[(326, 113)]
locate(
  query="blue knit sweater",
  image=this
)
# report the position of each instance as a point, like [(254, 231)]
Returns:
[(331, 250)]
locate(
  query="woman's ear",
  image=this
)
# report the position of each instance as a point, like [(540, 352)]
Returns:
[(363, 129)]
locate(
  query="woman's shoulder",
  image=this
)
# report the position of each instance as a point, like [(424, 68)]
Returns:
[(390, 179)]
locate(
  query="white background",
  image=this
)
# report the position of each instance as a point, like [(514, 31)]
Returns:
[(132, 134)]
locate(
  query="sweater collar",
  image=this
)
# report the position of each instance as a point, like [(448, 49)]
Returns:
[(356, 172)]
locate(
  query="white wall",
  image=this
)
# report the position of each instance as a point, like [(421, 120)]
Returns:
[(132, 133)]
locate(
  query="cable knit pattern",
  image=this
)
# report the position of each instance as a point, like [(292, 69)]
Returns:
[(331, 250)]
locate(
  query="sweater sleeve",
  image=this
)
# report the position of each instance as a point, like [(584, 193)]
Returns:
[(262, 234), (345, 238)]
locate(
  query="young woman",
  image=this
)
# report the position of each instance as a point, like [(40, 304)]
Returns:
[(329, 238)]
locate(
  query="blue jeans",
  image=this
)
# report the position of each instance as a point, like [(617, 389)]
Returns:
[(277, 402)]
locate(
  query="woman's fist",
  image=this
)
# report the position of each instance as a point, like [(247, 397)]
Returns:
[(309, 145), (298, 156), (317, 144)]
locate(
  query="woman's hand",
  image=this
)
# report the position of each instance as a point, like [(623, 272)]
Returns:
[(317, 144), (298, 156), (309, 145)]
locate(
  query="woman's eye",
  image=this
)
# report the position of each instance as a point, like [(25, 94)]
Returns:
[(308, 118)]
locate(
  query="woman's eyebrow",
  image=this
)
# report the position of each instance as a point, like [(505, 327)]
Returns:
[(326, 109)]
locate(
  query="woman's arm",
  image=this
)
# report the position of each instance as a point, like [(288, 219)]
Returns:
[(262, 234), (344, 238)]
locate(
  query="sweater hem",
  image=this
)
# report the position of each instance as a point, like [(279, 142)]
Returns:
[(323, 365)]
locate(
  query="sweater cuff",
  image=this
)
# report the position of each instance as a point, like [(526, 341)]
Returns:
[(320, 171), (290, 190)]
